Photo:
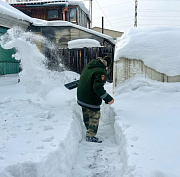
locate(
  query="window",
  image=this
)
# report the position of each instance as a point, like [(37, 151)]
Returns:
[(72, 15), (53, 13)]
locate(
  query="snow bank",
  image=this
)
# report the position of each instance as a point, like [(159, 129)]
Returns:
[(81, 43), (146, 126), (157, 47), (40, 135), (37, 142)]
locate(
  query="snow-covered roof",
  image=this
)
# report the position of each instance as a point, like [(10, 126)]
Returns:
[(81, 43), (34, 2), (14, 13), (38, 22), (50, 2), (81, 5), (157, 47), (6, 9)]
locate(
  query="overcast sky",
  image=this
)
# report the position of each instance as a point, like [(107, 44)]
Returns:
[(119, 14)]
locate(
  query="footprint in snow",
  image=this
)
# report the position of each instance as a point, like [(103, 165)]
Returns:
[(48, 127), (40, 147), (1, 158), (48, 139), (45, 115)]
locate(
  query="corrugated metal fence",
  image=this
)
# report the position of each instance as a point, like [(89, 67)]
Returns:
[(8, 65)]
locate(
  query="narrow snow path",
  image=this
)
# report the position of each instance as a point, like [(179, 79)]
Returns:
[(99, 159)]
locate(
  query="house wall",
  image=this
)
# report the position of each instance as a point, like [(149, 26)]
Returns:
[(125, 69), (73, 14), (61, 35), (112, 33)]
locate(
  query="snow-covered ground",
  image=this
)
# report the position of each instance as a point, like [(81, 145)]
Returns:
[(41, 127), (147, 127), (42, 133)]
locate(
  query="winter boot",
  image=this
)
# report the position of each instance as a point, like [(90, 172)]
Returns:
[(93, 139)]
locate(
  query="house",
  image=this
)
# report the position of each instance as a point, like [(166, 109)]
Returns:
[(71, 11)]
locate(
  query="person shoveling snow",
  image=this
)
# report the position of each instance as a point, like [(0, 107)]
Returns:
[(90, 93)]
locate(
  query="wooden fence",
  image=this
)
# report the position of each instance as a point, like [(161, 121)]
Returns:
[(76, 59)]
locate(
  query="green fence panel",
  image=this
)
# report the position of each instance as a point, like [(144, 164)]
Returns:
[(8, 68), (8, 65)]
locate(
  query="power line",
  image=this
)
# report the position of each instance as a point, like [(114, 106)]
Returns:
[(157, 24), (125, 12), (114, 5), (158, 0), (104, 14), (156, 19), (123, 19), (159, 10), (162, 16)]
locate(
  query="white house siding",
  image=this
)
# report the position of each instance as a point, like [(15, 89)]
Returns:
[(125, 69)]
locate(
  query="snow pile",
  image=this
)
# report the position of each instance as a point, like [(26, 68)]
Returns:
[(81, 43), (147, 127), (157, 47), (40, 135), (37, 139)]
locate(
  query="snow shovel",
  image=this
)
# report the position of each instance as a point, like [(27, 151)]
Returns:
[(71, 85)]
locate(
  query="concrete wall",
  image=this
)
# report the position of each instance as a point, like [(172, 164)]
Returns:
[(125, 68)]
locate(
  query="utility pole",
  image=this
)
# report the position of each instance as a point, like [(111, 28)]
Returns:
[(91, 12), (135, 19), (102, 25)]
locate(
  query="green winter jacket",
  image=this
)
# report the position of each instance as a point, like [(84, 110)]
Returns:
[(90, 91)]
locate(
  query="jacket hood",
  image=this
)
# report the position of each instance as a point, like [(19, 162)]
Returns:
[(96, 63)]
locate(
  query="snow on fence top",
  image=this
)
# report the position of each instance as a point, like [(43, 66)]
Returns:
[(157, 47), (81, 43)]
